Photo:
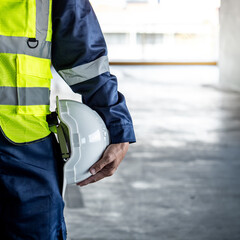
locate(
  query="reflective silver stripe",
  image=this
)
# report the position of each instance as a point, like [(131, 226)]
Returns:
[(42, 15), (18, 45), (24, 96), (86, 71)]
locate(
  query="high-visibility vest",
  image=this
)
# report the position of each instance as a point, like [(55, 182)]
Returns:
[(25, 75)]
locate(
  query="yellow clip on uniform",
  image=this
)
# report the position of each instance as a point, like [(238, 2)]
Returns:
[(25, 75)]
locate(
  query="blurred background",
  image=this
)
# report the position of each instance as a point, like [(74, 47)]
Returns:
[(177, 63), (165, 30)]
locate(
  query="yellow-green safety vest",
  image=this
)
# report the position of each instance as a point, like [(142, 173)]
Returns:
[(25, 75)]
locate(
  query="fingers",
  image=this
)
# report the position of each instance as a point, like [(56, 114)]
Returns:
[(92, 179), (98, 176), (104, 161), (105, 167), (108, 164)]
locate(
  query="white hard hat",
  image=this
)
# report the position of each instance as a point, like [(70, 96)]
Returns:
[(86, 137)]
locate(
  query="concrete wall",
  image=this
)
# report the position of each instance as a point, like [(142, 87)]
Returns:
[(229, 59)]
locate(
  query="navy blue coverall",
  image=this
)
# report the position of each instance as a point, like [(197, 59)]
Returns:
[(31, 206)]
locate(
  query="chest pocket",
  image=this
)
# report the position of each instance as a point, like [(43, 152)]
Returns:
[(33, 85), (18, 18)]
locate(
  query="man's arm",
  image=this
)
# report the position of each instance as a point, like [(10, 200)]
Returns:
[(79, 55)]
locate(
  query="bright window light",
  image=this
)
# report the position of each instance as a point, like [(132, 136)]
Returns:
[(160, 30)]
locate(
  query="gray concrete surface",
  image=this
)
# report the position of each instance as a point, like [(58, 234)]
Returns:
[(229, 44), (181, 180)]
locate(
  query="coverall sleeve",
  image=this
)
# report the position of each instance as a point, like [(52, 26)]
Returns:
[(79, 55)]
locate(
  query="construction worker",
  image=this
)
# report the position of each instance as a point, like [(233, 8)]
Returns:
[(34, 33)]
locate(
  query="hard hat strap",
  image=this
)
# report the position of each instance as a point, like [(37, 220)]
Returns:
[(57, 128), (63, 142)]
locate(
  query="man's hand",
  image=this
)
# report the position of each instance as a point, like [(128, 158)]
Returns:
[(108, 164)]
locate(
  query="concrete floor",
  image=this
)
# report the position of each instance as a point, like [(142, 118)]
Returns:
[(181, 180)]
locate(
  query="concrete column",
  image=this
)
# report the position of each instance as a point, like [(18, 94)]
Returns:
[(229, 58)]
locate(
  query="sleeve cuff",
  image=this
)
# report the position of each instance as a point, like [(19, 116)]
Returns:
[(122, 133)]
